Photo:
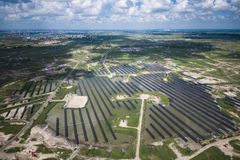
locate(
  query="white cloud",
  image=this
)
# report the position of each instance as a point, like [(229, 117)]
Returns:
[(235, 1), (12, 17), (90, 11), (151, 6), (214, 4), (221, 5), (181, 6), (205, 4)]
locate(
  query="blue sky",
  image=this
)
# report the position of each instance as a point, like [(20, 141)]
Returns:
[(119, 14)]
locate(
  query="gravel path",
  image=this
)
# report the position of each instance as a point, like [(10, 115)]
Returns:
[(139, 129)]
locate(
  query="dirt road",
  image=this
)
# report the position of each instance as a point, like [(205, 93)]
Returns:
[(139, 129)]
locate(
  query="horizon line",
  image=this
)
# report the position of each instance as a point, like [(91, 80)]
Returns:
[(216, 29)]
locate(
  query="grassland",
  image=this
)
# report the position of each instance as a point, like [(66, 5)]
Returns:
[(162, 152), (213, 153), (13, 150), (64, 90), (115, 153), (8, 128), (62, 153), (184, 151), (235, 144)]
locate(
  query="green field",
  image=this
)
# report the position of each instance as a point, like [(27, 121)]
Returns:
[(235, 144), (157, 152), (213, 153)]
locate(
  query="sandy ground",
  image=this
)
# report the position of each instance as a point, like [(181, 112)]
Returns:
[(165, 79), (19, 113), (144, 96), (48, 137), (43, 136), (69, 87), (75, 101), (110, 75), (145, 72), (155, 99), (210, 80), (123, 123), (17, 123), (11, 114), (158, 143), (121, 97), (230, 94), (125, 80), (234, 114), (4, 137), (10, 105), (186, 79), (93, 64), (4, 114), (193, 75), (6, 156), (152, 98)]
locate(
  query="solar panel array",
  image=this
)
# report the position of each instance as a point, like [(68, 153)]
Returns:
[(192, 114)]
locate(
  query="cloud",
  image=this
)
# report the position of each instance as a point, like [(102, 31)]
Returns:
[(235, 1), (221, 5), (215, 4), (154, 6), (181, 6), (101, 11)]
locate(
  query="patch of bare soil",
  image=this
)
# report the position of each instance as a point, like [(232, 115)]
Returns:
[(121, 97), (40, 135), (158, 143), (75, 101), (47, 136), (123, 123), (4, 137)]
